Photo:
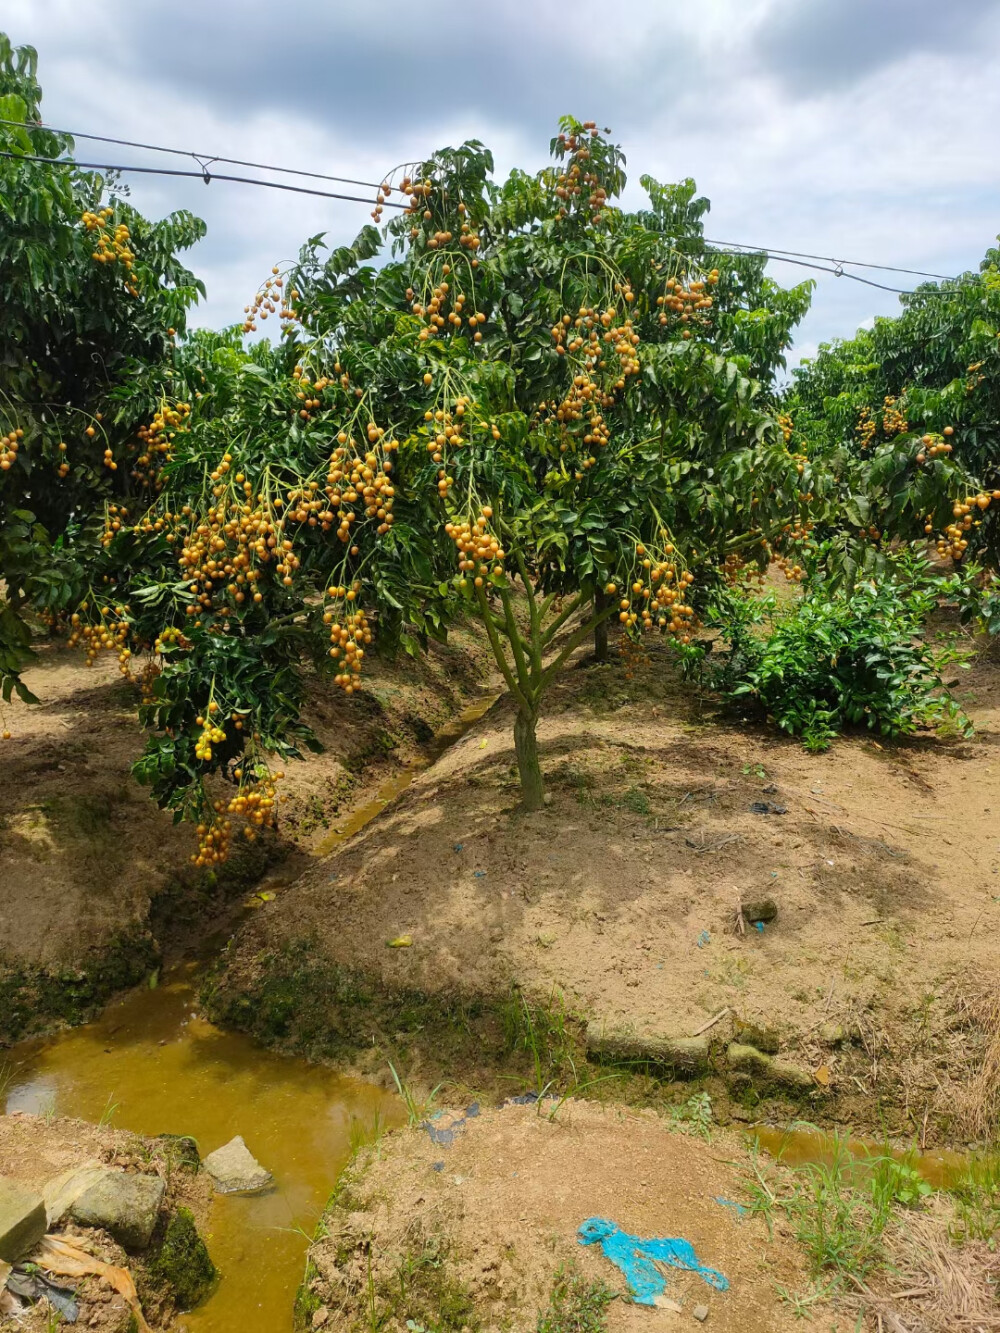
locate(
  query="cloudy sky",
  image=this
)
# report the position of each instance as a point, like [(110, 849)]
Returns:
[(861, 129)]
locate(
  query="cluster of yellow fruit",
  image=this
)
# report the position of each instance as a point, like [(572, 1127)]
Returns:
[(479, 551), (584, 334), (687, 303), (271, 300), (114, 520), (9, 445), (785, 423), (254, 802), (350, 634), (110, 632), (171, 637), (151, 671), (967, 514), (657, 596), (418, 193), (304, 388), (894, 421), (792, 571), (432, 314), (156, 440), (221, 553), (353, 478), (577, 179), (385, 189), (866, 428), (736, 569), (112, 246), (211, 734), (935, 446)]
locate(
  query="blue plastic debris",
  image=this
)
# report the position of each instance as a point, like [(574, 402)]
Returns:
[(738, 1208), (759, 926), (637, 1258), (446, 1136), (703, 939), (458, 846), (479, 874)]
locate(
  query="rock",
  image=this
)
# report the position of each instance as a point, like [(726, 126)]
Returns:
[(235, 1170), (832, 1034), (761, 909), (689, 1055), (700, 1312), (321, 1317), (125, 1206), (183, 1262), (22, 1219), (766, 1068), (764, 1039)]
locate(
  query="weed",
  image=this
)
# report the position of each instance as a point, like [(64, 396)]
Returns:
[(364, 1133), (575, 1305), (839, 1209), (415, 1110), (109, 1112), (694, 1116)]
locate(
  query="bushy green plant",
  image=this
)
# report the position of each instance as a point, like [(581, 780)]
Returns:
[(835, 661)]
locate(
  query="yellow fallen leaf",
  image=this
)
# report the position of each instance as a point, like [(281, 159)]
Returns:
[(400, 942), (267, 896), (59, 1256), (823, 1076)]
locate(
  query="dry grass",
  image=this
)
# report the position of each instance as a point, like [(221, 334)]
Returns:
[(978, 1106), (933, 1285)]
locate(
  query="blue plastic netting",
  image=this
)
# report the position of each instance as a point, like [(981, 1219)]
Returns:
[(637, 1258)]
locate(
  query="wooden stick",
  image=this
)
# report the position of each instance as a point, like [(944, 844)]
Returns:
[(711, 1022)]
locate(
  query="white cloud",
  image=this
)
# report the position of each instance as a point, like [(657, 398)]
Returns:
[(889, 157)]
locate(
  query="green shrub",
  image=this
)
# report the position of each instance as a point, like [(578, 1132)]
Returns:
[(833, 661)]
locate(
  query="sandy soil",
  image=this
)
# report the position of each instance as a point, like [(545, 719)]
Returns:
[(84, 852), (36, 1149), (622, 895), (501, 1207)]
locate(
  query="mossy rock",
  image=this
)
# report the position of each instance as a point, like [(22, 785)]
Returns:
[(183, 1263)]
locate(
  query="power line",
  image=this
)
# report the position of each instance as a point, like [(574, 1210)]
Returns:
[(204, 175), (201, 158), (205, 160), (775, 251)]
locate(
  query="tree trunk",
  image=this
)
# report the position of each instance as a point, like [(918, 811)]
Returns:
[(601, 630), (532, 789)]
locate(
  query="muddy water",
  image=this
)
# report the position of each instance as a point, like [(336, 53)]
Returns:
[(154, 1066), (801, 1145), (445, 738)]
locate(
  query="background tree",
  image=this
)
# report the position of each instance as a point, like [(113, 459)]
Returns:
[(92, 295)]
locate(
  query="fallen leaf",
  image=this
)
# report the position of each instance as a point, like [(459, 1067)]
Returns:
[(823, 1076), (400, 942)]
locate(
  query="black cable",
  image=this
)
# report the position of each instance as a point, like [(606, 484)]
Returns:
[(198, 157), (852, 263), (205, 175), (732, 246)]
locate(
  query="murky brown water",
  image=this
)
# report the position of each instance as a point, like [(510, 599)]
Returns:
[(166, 1070), (800, 1145), (158, 1067), (446, 737)]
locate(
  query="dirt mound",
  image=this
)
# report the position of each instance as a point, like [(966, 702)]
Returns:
[(474, 1234), (36, 1151), (621, 897), (94, 880)]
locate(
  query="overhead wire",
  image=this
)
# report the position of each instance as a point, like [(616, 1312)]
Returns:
[(205, 175), (803, 259), (198, 157)]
